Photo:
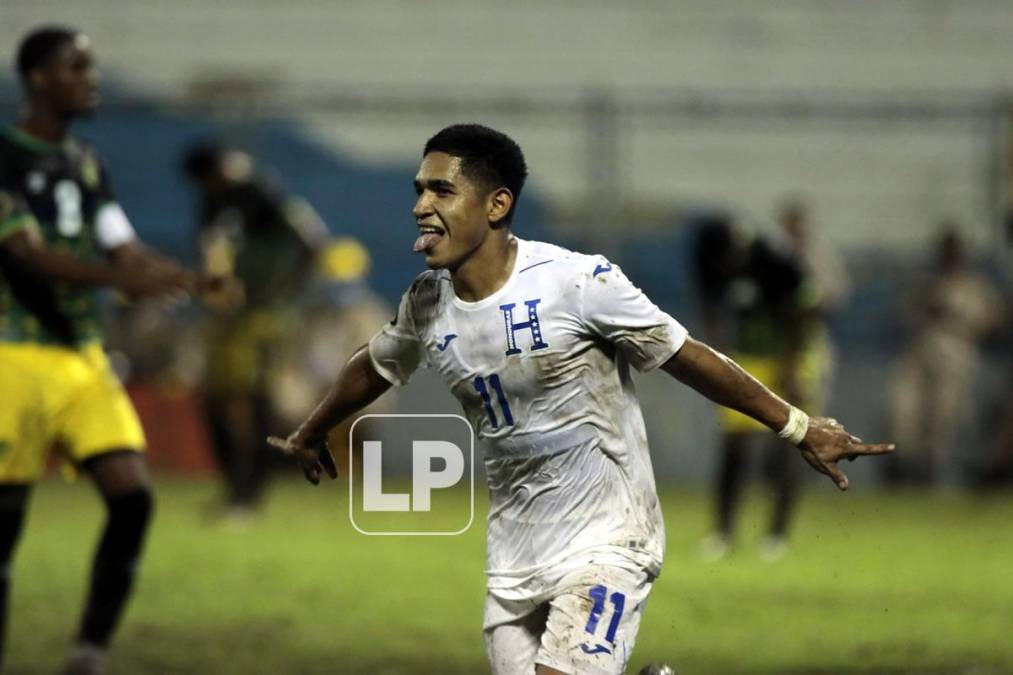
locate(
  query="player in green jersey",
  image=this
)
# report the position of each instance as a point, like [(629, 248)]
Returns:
[(268, 239), (62, 235), (777, 336)]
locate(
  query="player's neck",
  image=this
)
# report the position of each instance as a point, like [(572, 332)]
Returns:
[(486, 270), (44, 124)]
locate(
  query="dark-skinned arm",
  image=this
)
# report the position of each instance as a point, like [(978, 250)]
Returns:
[(27, 251), (136, 256)]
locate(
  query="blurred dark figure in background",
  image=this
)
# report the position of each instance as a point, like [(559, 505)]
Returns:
[(825, 286), (948, 315), (997, 470), (777, 334), (268, 240), (338, 313), (822, 267)]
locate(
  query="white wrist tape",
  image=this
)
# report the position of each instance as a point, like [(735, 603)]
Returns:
[(796, 428)]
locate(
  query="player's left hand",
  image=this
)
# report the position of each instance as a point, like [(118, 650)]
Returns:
[(827, 442), (314, 457)]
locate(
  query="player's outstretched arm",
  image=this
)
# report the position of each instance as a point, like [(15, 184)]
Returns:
[(134, 257), (27, 251), (823, 441), (357, 386)]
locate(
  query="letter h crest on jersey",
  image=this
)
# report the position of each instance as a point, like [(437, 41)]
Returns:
[(531, 324)]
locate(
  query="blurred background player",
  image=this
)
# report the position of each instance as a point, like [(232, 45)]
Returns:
[(62, 235), (249, 228), (778, 334), (953, 309), (824, 273)]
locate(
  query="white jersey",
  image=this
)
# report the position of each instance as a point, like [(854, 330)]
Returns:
[(542, 370)]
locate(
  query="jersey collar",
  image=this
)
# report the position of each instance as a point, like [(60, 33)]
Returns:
[(504, 289), (32, 143)]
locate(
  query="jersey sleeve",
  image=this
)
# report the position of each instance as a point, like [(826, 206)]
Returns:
[(619, 312), (112, 227), (15, 215), (397, 351)]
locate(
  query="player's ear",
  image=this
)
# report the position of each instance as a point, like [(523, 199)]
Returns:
[(499, 203)]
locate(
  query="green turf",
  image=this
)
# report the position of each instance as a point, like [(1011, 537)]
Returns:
[(874, 584)]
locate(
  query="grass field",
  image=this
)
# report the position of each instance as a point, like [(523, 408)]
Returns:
[(874, 584)]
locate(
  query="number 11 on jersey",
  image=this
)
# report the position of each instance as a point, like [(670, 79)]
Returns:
[(483, 390)]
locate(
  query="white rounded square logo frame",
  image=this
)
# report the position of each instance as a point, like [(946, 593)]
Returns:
[(471, 475)]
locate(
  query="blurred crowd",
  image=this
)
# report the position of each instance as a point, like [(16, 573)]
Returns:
[(768, 295), (950, 313)]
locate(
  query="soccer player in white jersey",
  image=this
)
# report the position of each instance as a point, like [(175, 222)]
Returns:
[(537, 343)]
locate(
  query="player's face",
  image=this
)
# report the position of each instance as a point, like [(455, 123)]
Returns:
[(452, 212), (69, 82)]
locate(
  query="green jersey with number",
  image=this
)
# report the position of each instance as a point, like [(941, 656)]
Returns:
[(57, 191)]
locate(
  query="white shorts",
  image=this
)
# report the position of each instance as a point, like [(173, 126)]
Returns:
[(589, 627)]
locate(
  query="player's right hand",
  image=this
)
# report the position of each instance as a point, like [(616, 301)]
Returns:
[(314, 457)]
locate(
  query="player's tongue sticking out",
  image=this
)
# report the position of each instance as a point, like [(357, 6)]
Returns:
[(426, 241)]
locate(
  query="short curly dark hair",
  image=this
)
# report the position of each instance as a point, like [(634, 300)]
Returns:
[(39, 46), (202, 158), (488, 157)]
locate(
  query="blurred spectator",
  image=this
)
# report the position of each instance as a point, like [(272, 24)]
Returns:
[(777, 334), (948, 315), (337, 315), (824, 288), (268, 240), (822, 266)]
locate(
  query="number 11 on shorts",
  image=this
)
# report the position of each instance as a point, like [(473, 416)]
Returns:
[(598, 594)]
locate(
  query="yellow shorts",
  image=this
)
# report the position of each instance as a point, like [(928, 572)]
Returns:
[(59, 395), (241, 350), (813, 371)]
